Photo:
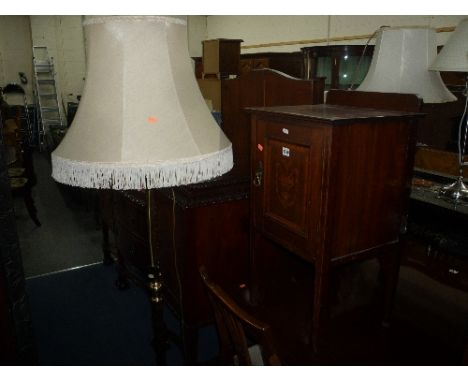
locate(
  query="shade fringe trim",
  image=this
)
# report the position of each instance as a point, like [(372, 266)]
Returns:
[(130, 176)]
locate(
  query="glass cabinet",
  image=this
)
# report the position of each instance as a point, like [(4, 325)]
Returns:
[(342, 65)]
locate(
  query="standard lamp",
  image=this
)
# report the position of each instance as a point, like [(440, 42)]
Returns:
[(142, 122), (454, 58)]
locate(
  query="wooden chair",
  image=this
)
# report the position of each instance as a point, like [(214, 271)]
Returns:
[(233, 323), (20, 166)]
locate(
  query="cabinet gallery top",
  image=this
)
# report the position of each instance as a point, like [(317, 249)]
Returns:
[(330, 113)]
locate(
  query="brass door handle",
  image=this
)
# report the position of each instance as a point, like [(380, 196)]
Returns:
[(257, 181)]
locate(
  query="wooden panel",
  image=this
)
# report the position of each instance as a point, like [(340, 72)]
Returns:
[(288, 63), (287, 91), (367, 180), (247, 65), (439, 161)]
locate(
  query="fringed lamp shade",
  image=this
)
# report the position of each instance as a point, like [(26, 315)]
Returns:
[(142, 121), (400, 65)]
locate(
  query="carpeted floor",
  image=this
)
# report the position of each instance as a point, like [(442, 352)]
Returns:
[(69, 235), (81, 318)]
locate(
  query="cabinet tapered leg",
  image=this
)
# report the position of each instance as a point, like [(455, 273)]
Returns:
[(321, 301)]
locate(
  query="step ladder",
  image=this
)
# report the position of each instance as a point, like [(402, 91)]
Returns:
[(49, 113)]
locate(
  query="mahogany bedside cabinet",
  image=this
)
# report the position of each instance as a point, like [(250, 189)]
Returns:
[(330, 183)]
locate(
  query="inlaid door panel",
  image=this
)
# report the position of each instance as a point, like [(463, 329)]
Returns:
[(290, 199), (286, 185)]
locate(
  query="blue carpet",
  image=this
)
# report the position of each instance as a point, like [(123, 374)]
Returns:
[(80, 318)]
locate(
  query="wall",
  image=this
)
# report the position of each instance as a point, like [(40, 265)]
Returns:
[(15, 53), (196, 31), (286, 29)]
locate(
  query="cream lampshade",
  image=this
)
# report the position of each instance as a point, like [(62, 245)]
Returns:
[(400, 65), (142, 122), (454, 55)]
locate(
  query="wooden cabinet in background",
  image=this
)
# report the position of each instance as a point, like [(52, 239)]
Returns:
[(221, 57), (260, 88), (287, 63), (330, 184)]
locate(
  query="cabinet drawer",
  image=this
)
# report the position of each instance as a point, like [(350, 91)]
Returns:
[(133, 253)]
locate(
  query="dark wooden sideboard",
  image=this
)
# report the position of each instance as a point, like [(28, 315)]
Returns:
[(330, 184), (202, 224), (437, 237)]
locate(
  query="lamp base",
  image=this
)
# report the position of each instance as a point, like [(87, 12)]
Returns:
[(455, 191)]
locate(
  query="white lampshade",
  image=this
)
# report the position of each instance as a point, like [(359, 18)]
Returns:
[(454, 55), (400, 65), (142, 121)]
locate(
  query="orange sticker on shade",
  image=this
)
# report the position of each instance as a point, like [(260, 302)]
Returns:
[(152, 119), (260, 147)]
